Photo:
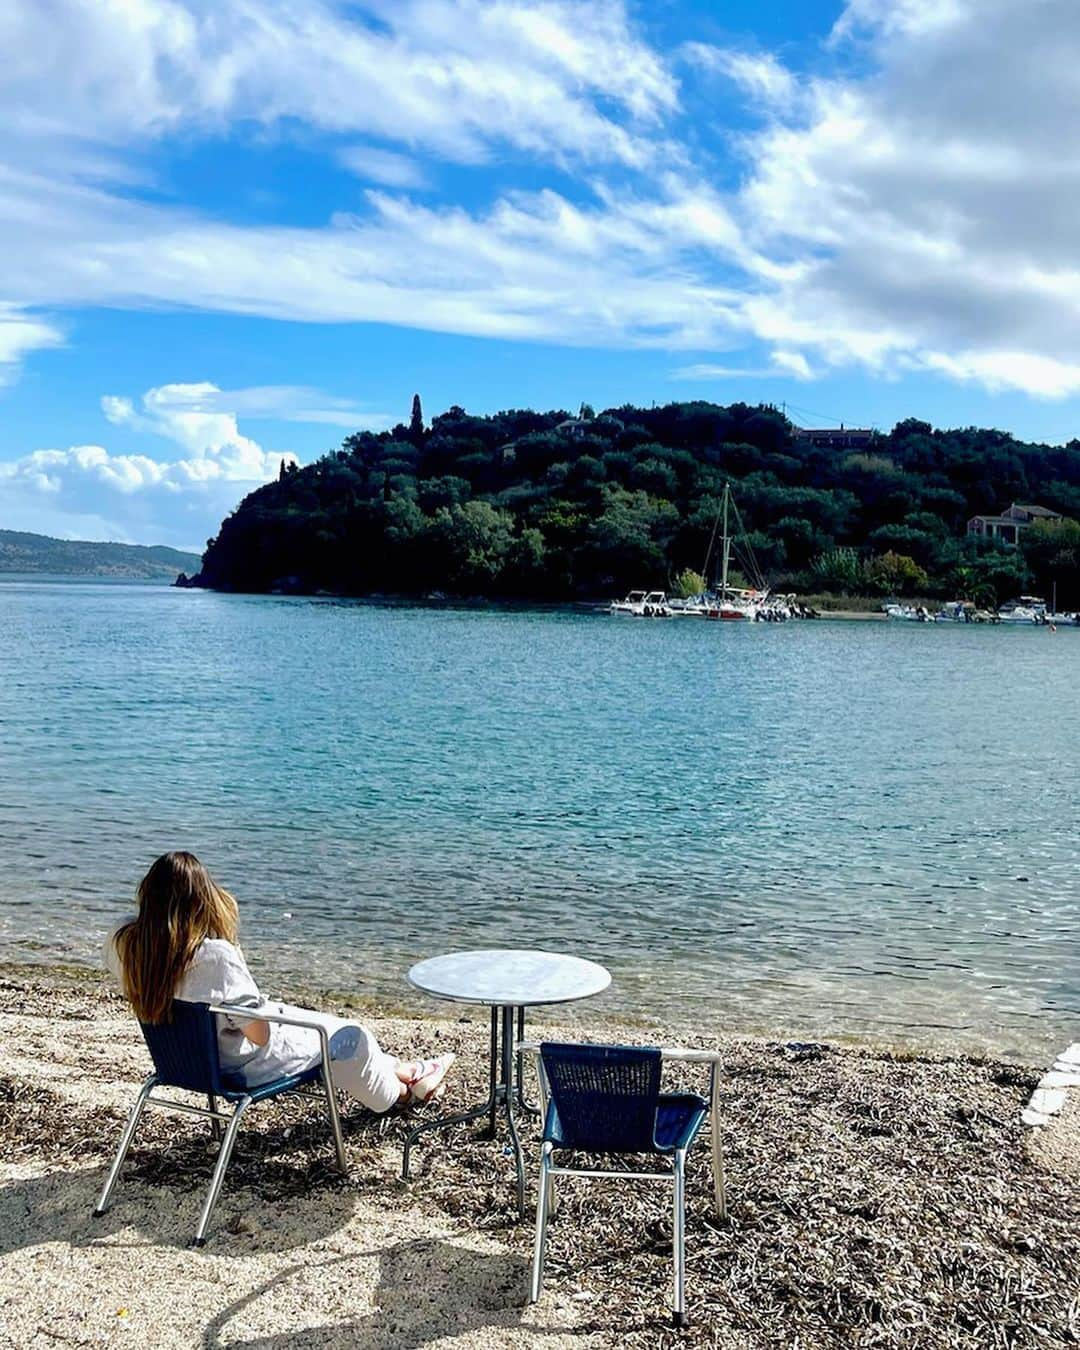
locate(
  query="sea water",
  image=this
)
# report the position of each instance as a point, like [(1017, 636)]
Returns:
[(806, 829)]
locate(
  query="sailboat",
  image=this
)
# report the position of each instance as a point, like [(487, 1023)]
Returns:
[(732, 602), (725, 602)]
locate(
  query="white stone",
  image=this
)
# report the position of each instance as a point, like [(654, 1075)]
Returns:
[(1061, 1078), (1033, 1118), (1047, 1101), (1070, 1056)]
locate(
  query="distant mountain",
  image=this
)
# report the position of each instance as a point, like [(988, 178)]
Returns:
[(21, 552)]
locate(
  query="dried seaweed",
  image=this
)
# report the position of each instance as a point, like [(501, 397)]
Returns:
[(876, 1200)]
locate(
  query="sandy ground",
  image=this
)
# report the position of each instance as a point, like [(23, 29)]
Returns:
[(332, 1268), (1057, 1145), (298, 1259)]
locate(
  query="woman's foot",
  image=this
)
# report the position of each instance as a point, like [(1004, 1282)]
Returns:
[(429, 1084)]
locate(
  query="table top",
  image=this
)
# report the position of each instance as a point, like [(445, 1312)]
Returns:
[(509, 977)]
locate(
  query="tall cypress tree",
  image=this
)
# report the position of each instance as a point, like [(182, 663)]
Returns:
[(416, 422)]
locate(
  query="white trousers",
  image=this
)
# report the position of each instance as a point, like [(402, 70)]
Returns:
[(358, 1064)]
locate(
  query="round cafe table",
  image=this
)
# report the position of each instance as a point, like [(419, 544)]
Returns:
[(507, 981)]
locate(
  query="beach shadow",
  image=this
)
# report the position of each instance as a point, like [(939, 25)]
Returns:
[(282, 1189), (424, 1288), (59, 1207)]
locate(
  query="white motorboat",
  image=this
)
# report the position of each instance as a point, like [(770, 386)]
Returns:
[(631, 605), (1030, 609), (655, 606), (643, 605), (908, 613)]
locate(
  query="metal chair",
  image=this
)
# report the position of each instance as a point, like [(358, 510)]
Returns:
[(185, 1055), (607, 1099)]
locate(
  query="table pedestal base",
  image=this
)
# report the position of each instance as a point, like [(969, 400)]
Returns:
[(505, 1093)]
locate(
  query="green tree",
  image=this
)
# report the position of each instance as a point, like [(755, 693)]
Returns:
[(688, 583), (1051, 549), (627, 544), (416, 422), (469, 545), (839, 570), (896, 574), (562, 506)]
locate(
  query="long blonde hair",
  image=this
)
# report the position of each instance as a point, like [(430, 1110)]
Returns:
[(180, 905)]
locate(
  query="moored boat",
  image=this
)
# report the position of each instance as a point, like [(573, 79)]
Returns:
[(631, 605), (726, 602), (908, 613), (1029, 609)]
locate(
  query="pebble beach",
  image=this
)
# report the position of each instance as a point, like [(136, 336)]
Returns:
[(877, 1199)]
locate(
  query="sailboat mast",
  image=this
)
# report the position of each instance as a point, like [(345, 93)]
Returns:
[(726, 541)]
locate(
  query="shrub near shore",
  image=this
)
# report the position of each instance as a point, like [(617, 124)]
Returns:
[(550, 506)]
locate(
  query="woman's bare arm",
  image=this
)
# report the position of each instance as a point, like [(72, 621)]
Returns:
[(258, 1033)]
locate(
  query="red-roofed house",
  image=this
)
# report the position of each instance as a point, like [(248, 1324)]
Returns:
[(1008, 525)]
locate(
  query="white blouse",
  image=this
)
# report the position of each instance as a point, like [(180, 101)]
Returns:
[(219, 974)]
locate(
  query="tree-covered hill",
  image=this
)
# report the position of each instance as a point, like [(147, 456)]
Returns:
[(548, 505), (22, 552)]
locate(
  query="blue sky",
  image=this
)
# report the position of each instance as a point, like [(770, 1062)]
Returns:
[(231, 231)]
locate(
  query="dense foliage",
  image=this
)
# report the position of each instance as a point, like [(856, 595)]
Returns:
[(22, 552), (547, 505)]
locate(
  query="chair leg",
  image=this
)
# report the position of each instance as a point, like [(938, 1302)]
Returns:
[(220, 1168), (719, 1184), (125, 1143), (543, 1195), (215, 1125), (545, 1096), (335, 1120), (680, 1238)]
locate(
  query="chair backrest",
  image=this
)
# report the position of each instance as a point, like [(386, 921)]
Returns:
[(185, 1050), (605, 1095)]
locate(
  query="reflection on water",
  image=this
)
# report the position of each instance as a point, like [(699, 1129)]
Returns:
[(808, 829)]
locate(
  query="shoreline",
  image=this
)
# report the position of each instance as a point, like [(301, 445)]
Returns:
[(399, 1000), (623, 1005), (872, 1194)]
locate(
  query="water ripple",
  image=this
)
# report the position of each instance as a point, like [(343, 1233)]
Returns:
[(818, 829)]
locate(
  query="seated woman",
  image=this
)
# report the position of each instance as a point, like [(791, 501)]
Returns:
[(183, 945)]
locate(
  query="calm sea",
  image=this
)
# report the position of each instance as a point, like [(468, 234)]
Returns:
[(808, 829)]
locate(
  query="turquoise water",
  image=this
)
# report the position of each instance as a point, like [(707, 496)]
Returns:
[(810, 829)]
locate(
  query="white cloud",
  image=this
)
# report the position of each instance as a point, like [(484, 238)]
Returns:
[(1009, 371), (383, 166), (917, 215), (176, 410), (22, 332), (179, 501), (875, 18), (784, 364), (759, 74), (930, 205), (453, 76), (535, 265)]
